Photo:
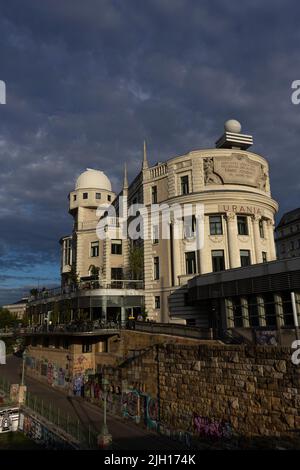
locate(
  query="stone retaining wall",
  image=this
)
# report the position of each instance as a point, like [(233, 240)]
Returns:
[(218, 391)]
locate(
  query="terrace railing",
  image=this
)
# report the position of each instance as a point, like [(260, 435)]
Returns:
[(88, 285)]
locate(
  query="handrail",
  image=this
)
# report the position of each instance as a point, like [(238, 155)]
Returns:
[(136, 284)]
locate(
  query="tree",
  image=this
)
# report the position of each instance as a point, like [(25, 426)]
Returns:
[(73, 277), (7, 319), (94, 271), (136, 262)]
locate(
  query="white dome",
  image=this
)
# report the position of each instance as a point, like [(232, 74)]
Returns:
[(232, 125), (93, 179)]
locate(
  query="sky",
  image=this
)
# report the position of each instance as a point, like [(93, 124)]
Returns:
[(88, 81)]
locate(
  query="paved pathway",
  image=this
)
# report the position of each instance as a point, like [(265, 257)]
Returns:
[(126, 434)]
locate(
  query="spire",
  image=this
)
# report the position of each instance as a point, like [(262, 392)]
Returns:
[(125, 181), (145, 161)]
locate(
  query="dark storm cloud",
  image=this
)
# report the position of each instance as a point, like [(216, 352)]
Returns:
[(88, 81)]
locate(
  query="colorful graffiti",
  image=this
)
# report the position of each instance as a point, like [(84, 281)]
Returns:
[(54, 374), (130, 404), (151, 413), (41, 434), (264, 337), (211, 428)]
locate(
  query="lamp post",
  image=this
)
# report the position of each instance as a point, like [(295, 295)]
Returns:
[(104, 438), (295, 314), (70, 389), (23, 367)]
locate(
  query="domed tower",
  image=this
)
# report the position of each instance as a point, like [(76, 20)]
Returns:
[(92, 189)]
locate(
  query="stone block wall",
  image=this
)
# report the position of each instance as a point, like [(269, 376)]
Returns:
[(218, 391)]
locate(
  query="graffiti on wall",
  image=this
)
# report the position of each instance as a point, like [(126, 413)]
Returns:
[(266, 338), (130, 404), (39, 433), (211, 428), (53, 373), (14, 392), (151, 413)]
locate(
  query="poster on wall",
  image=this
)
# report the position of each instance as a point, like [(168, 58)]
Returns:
[(9, 419)]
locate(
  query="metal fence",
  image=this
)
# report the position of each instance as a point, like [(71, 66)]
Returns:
[(85, 435)]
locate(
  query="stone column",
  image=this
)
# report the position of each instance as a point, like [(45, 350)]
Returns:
[(107, 256), (270, 230), (245, 312), (177, 241), (256, 236), (278, 310), (261, 311), (229, 313), (204, 252), (104, 308), (233, 248)]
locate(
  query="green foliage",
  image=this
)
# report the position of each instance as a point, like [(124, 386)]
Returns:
[(72, 276), (55, 313), (7, 319), (136, 262), (94, 271)]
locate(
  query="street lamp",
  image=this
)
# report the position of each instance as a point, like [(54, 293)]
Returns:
[(70, 389), (23, 366), (105, 438)]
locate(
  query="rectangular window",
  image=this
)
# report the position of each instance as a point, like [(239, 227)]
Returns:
[(157, 301), (94, 249), (189, 227), (264, 256), (109, 197), (67, 252), (218, 261), (98, 195), (184, 184), (242, 225), (215, 225), (74, 197), (156, 267), (116, 274), (154, 194), (86, 346), (85, 195), (155, 234), (245, 258), (261, 229), (116, 247), (190, 262)]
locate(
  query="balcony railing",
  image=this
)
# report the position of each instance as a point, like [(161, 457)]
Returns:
[(88, 285)]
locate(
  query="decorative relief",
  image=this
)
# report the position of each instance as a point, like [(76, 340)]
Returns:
[(183, 164), (235, 169), (243, 238), (210, 177), (216, 238), (230, 216)]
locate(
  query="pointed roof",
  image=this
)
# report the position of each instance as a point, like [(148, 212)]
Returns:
[(145, 161), (125, 180)]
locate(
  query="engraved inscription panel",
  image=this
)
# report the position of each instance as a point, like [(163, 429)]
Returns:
[(238, 169)]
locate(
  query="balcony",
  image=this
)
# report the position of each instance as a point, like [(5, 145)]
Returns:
[(91, 285)]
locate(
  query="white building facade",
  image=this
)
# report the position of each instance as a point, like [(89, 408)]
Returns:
[(230, 182)]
